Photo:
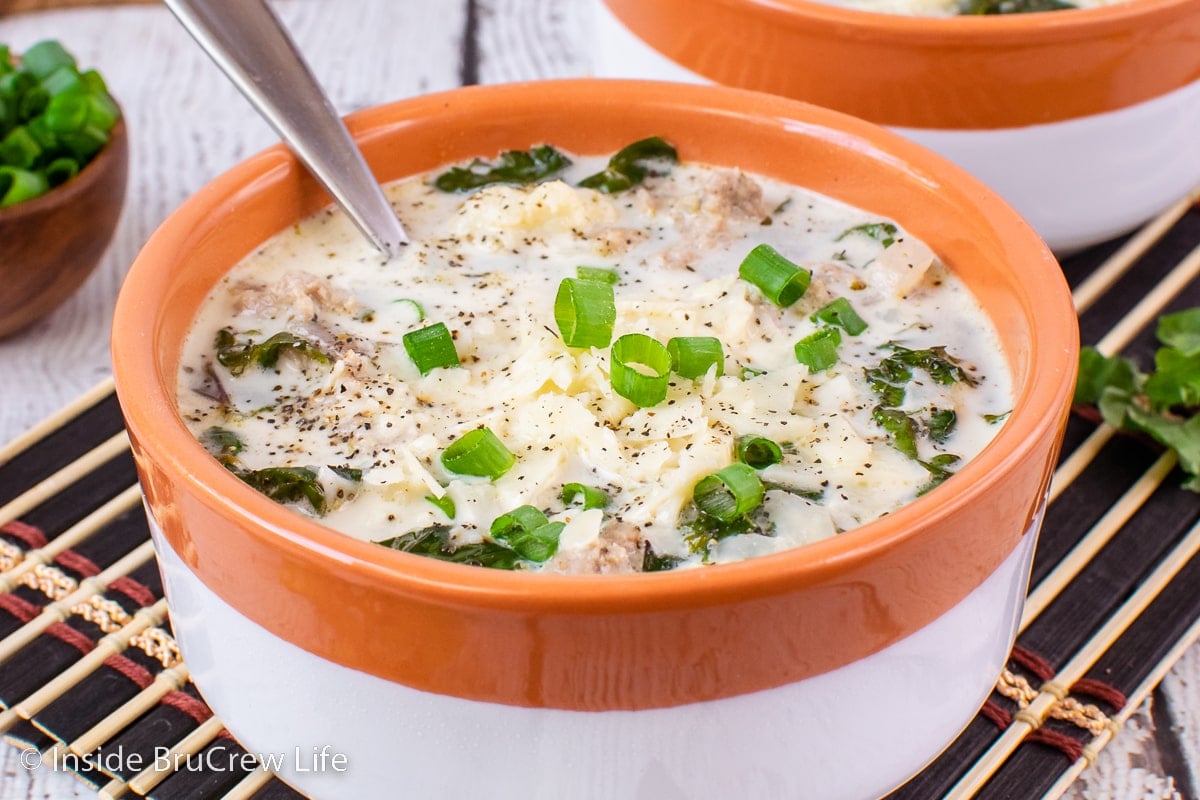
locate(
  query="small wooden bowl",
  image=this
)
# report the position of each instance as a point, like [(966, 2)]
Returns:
[(51, 244)]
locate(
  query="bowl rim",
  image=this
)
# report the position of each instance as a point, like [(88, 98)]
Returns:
[(1066, 23), (92, 172), (958, 73), (1036, 412)]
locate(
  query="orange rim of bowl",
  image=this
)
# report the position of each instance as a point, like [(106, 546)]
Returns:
[(595, 642), (972, 72)]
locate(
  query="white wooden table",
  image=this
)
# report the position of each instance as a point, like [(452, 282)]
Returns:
[(188, 124)]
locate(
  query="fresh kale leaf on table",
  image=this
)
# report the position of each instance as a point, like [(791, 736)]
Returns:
[(1162, 404)]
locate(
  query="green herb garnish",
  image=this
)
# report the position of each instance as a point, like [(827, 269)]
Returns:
[(900, 428), (938, 472), (223, 444), (1162, 404), (286, 485), (882, 232), (979, 7), (652, 562), (434, 542), (941, 424), (236, 355), (627, 167), (889, 378), (352, 474), (515, 167)]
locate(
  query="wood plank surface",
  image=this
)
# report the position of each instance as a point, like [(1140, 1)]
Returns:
[(188, 124)]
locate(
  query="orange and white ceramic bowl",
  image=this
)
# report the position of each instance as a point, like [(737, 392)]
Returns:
[(1085, 120), (834, 671)]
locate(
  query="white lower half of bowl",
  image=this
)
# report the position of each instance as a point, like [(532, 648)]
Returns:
[(849, 734), (1077, 182)]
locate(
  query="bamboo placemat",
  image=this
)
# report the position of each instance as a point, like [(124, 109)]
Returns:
[(88, 665)]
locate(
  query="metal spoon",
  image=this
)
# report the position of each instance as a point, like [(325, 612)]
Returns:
[(248, 42)]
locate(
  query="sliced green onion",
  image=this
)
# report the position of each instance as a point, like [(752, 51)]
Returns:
[(42, 134), (67, 113), (431, 347), (19, 149), (818, 350), (15, 84), (32, 103), (45, 57), (86, 142), (18, 185), (478, 453), (839, 312), (592, 497), (602, 274), (780, 280), (758, 452), (749, 373), (729, 493), (64, 80), (419, 308), (527, 531), (585, 312), (640, 369), (525, 518), (694, 356), (93, 81), (102, 112), (445, 504)]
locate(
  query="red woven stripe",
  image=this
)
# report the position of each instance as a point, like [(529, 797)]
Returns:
[(32, 536), (1033, 663), (225, 734), (19, 607), (189, 705), (66, 633), (134, 590), (77, 563), (997, 715), (1071, 748), (1101, 691), (135, 672)]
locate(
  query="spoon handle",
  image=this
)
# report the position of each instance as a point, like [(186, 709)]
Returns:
[(248, 42)]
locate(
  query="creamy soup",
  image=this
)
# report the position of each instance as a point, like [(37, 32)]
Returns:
[(679, 368), (950, 8)]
